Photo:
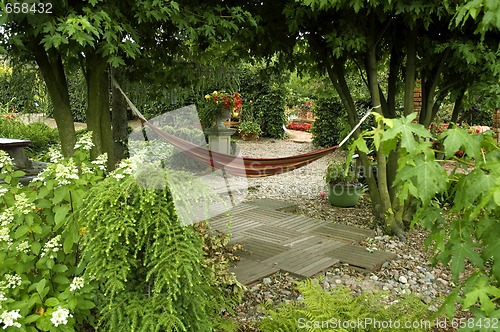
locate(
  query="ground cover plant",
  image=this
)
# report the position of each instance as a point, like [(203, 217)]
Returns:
[(339, 310)]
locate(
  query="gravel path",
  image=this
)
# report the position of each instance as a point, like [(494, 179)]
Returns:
[(410, 272)]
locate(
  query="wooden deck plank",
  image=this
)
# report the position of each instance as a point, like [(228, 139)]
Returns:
[(272, 204), (360, 257), (339, 234), (301, 263), (300, 245), (249, 272), (259, 250), (271, 234)]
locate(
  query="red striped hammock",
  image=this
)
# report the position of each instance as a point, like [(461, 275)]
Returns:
[(235, 165)]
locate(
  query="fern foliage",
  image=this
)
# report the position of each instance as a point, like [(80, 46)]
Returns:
[(339, 310), (148, 266)]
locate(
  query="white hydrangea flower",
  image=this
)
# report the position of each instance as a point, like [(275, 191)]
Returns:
[(23, 247), (118, 176), (101, 161), (7, 217), (60, 316), (76, 284), (55, 155), (65, 173), (5, 236), (86, 170), (85, 142), (5, 159), (52, 247), (9, 318), (11, 281), (23, 204), (3, 191)]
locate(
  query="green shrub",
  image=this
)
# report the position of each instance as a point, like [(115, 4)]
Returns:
[(339, 310), (40, 250), (330, 124), (151, 271), (264, 100), (42, 137), (22, 88)]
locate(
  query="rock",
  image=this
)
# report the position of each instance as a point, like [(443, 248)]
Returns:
[(402, 279), (267, 281), (443, 282), (374, 277)]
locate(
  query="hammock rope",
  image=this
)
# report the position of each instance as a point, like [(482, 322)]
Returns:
[(235, 165)]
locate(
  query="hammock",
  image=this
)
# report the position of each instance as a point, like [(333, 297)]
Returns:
[(245, 166)]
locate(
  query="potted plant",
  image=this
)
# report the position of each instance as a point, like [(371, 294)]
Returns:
[(224, 105), (249, 130), (344, 188)]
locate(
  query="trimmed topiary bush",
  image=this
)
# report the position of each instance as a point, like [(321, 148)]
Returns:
[(330, 124)]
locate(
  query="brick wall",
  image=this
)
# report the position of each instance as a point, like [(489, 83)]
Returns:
[(496, 123)]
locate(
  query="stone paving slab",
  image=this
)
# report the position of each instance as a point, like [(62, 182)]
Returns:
[(274, 240)]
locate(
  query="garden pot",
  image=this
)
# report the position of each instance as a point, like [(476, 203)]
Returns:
[(221, 115), (344, 195)]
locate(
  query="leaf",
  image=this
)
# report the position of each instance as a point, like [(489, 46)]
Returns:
[(51, 302), (59, 268), (408, 131), (60, 194), (44, 324), (481, 292), (68, 242), (84, 304), (31, 318), (61, 279), (461, 252), (457, 138), (60, 215), (449, 303), (36, 247), (22, 230), (428, 177), (471, 187), (40, 286)]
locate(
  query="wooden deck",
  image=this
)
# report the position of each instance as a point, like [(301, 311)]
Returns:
[(275, 240)]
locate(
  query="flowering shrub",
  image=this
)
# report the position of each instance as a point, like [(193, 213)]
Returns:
[(299, 126), (231, 101), (41, 287)]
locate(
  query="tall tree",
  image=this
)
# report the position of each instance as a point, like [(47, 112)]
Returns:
[(98, 34), (388, 41)]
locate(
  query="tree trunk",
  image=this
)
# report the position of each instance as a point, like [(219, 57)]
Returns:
[(98, 114), (119, 118), (52, 70), (458, 106), (410, 72)]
